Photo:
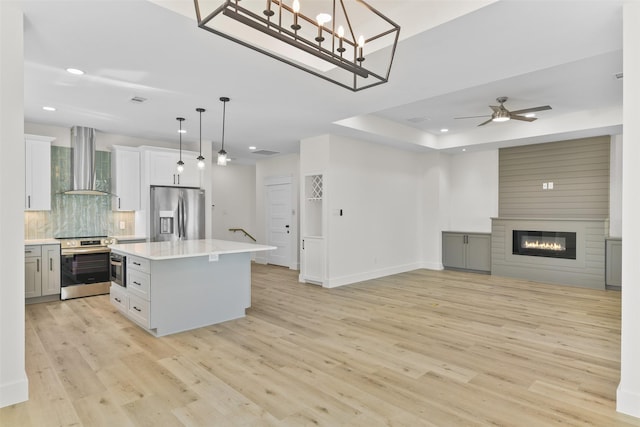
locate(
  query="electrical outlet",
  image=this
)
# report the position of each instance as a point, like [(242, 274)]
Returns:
[(122, 225), (550, 186), (544, 185)]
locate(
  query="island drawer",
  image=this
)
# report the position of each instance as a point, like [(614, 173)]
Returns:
[(139, 310), (140, 264), (119, 298), (138, 284)]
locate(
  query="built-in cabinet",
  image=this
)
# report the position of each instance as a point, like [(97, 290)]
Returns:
[(313, 260), (125, 178), (37, 173), (466, 251), (613, 262), (41, 270), (163, 168)]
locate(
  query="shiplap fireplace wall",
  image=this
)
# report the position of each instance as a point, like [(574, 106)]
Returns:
[(554, 187)]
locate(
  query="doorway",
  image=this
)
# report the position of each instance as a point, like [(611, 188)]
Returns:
[(279, 221)]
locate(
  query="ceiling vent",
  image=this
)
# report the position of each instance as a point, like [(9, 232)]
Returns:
[(138, 99), (265, 152)]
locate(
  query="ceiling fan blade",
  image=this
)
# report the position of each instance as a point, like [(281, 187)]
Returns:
[(532, 110), (523, 118), (484, 123), (472, 117)]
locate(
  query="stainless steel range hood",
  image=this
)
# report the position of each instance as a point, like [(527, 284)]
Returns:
[(83, 162)]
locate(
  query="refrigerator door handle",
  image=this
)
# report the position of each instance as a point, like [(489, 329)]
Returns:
[(182, 222), (179, 216)]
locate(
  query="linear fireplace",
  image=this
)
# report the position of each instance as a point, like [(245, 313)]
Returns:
[(554, 244)]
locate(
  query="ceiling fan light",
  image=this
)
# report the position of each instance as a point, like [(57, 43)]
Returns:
[(501, 116)]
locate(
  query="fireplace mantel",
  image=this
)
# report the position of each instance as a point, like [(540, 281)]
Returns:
[(586, 270)]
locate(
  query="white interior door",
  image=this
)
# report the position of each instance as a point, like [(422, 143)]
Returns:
[(279, 223)]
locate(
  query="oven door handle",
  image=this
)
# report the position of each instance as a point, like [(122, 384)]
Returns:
[(85, 251), (116, 263)]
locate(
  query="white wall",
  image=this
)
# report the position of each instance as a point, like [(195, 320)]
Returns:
[(434, 215), (14, 385), (473, 188), (281, 166), (234, 200), (378, 190), (629, 389)]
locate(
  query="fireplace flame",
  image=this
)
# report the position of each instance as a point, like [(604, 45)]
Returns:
[(548, 246)]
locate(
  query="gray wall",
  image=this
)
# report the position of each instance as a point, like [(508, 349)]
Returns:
[(579, 170)]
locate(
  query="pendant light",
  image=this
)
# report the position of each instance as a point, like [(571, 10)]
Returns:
[(201, 163), (180, 163), (222, 155)]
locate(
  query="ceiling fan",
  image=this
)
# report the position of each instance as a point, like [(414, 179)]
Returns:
[(501, 114)]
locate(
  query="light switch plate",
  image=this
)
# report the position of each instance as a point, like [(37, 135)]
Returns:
[(550, 186), (544, 185)]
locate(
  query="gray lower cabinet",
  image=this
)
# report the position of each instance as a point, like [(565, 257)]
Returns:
[(41, 270), (613, 262), (466, 251)]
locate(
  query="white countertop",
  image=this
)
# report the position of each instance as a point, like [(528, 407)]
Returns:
[(187, 248), (42, 242)]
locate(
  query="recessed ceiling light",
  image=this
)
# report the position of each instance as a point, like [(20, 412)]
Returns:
[(530, 115), (252, 148), (75, 71), (443, 130), (45, 108), (464, 149)]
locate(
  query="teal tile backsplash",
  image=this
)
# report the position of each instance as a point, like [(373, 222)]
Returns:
[(75, 215)]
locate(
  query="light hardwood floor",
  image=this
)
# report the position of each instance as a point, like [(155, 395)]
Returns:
[(424, 348)]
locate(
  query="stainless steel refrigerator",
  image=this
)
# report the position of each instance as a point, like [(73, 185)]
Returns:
[(177, 213)]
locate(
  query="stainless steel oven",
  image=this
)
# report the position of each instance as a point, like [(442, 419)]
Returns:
[(118, 269), (84, 267)]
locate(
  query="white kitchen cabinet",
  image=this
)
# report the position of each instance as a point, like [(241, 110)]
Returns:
[(125, 178), (162, 168), (312, 265), (42, 270), (37, 173), (119, 297), (313, 260), (138, 290)]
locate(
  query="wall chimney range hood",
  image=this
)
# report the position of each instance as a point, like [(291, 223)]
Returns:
[(83, 162)]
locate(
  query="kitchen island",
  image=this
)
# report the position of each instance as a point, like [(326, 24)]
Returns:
[(177, 286)]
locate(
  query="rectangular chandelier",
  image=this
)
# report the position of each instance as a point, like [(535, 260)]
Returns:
[(346, 42)]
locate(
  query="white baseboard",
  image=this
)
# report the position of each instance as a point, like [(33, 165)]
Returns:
[(432, 265), (368, 275), (628, 402), (15, 392)]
